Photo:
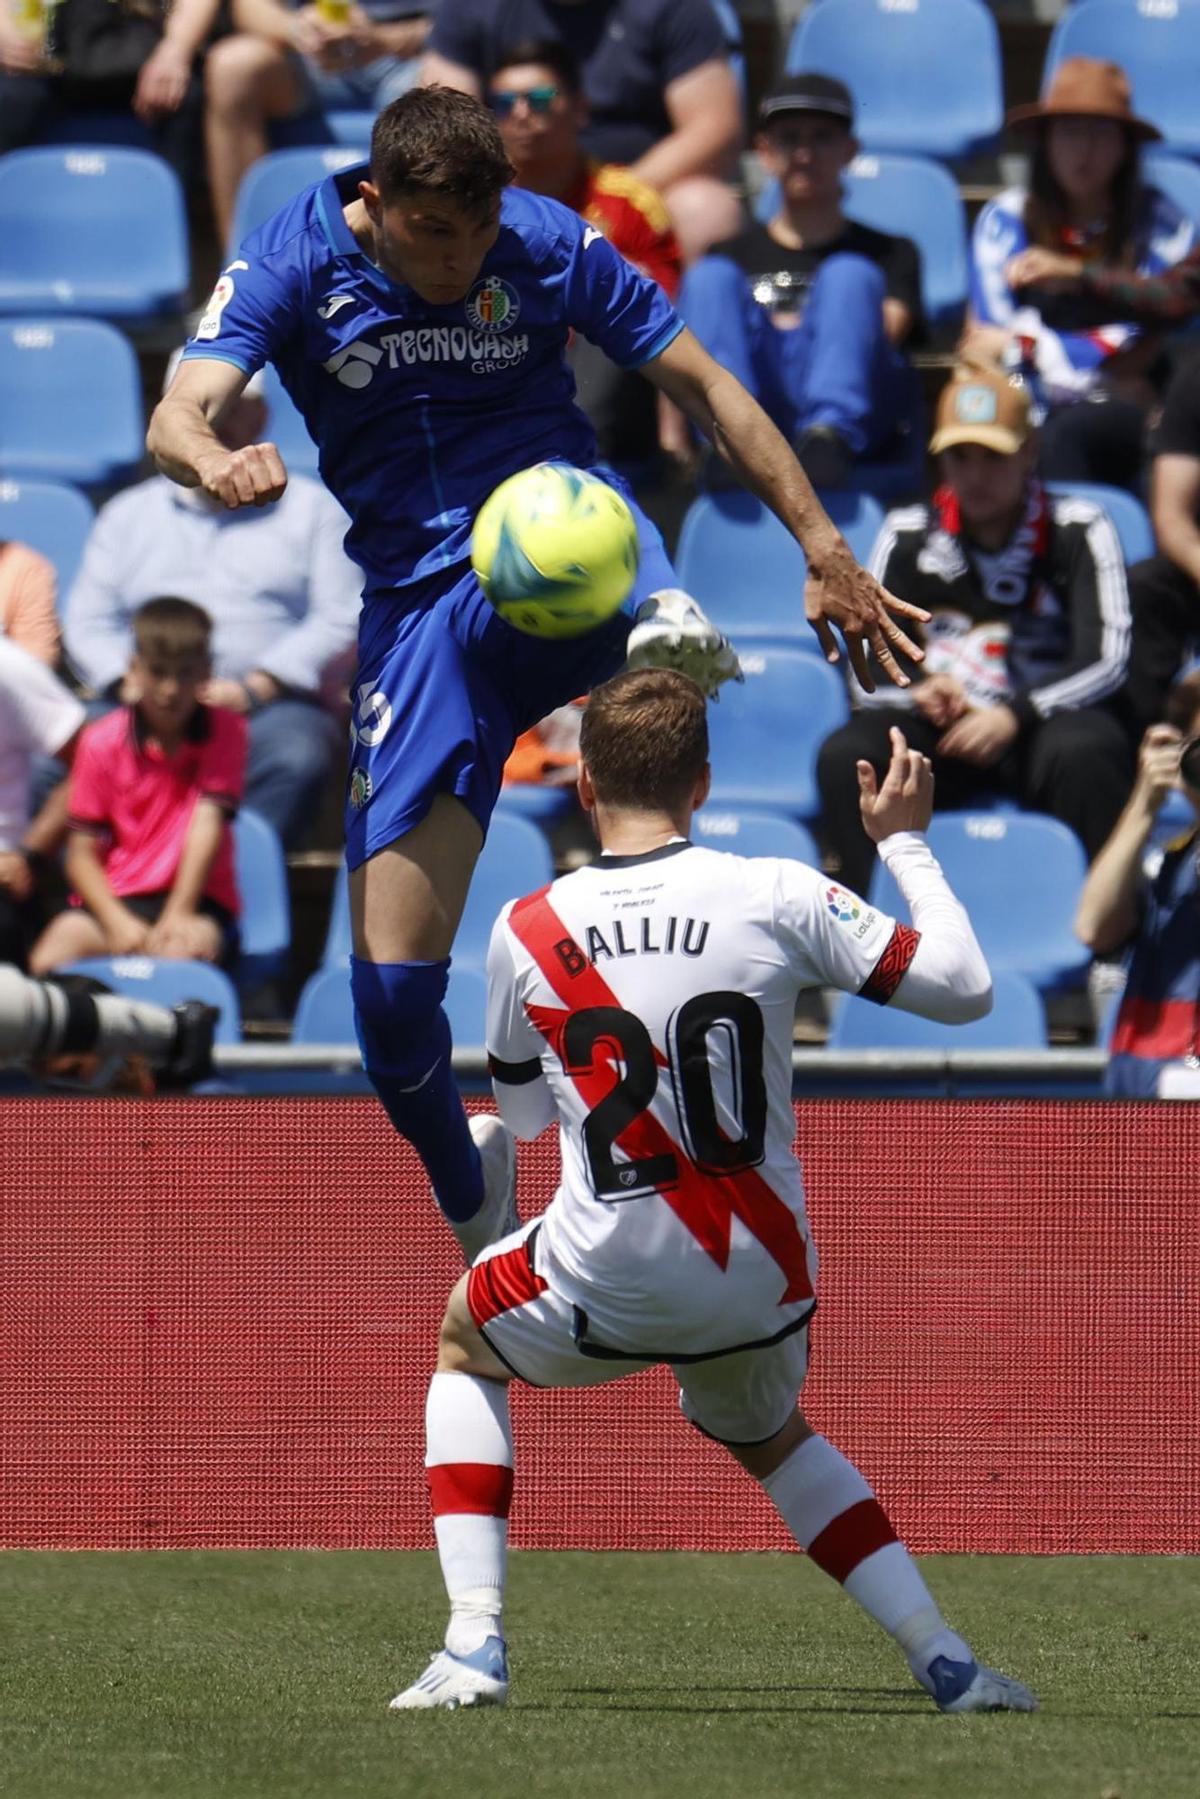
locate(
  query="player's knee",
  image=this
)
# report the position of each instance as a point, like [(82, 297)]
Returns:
[(402, 1030), (762, 1459)]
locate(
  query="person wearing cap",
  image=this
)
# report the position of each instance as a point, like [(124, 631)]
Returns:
[(810, 310), (1085, 207), (1027, 642), (281, 592)]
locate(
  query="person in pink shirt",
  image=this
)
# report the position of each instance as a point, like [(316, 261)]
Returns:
[(153, 788)]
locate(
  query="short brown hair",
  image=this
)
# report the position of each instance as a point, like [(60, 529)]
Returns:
[(438, 141), (171, 630), (645, 738)]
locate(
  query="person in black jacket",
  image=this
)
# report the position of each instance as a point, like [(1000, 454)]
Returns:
[(1027, 643)]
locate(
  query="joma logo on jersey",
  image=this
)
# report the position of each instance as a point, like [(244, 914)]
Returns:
[(493, 305)]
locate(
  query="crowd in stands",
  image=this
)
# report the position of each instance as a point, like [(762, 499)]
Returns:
[(1051, 680)]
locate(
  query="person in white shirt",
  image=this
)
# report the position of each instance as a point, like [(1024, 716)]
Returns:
[(39, 717), (647, 1004)]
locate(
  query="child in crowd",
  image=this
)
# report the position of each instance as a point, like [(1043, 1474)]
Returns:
[(153, 788)]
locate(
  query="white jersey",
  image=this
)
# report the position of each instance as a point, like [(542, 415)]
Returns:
[(656, 996)]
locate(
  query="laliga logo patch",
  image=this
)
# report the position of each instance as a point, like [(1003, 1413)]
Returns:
[(361, 788), (842, 904), (975, 406), (218, 300), (493, 305)]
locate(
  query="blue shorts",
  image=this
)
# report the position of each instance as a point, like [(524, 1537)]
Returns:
[(444, 688)]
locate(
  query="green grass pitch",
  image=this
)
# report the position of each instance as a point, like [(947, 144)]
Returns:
[(267, 1676)]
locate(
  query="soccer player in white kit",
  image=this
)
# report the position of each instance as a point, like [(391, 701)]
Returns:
[(647, 1004)]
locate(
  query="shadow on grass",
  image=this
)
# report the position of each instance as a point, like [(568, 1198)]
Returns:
[(801, 1701)]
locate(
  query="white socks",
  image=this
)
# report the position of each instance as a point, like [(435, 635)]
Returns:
[(468, 1461)]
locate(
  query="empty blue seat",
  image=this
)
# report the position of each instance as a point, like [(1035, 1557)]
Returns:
[(279, 176), (350, 126), (765, 734), (168, 984), (70, 402), (745, 832), (50, 517), (1016, 1021), (325, 1011), (1130, 519), (925, 74), (908, 196), (1019, 875), (515, 860), (285, 427), (747, 570), (266, 921), (1158, 46), (92, 231)]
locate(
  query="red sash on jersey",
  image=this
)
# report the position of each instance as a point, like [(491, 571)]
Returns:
[(704, 1203)]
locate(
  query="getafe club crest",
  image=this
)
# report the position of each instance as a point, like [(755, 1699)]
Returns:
[(360, 788), (493, 305)]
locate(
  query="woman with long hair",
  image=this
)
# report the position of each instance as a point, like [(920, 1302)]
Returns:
[(1087, 203)]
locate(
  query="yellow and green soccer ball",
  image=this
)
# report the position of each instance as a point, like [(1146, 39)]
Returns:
[(555, 550)]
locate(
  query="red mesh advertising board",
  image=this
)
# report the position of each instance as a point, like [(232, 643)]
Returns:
[(219, 1318)]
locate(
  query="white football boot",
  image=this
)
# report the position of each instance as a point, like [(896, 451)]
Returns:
[(672, 632), (497, 1217), (452, 1681), (968, 1687)]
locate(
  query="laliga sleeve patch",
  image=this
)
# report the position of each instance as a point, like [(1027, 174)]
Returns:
[(218, 300)]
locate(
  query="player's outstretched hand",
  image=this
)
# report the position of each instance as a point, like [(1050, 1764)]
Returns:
[(251, 477), (905, 801), (839, 592)]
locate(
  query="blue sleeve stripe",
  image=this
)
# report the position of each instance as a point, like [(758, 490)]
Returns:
[(191, 354), (665, 337)]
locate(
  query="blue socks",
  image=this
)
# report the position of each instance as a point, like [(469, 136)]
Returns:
[(404, 1036)]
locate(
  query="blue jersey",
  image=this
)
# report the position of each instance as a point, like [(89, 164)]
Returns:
[(420, 410)]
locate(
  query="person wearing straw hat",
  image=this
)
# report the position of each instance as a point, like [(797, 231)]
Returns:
[(1026, 645), (1085, 204)]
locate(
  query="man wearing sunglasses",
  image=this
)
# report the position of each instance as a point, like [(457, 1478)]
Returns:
[(541, 113)]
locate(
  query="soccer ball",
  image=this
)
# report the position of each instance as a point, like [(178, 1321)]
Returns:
[(555, 550)]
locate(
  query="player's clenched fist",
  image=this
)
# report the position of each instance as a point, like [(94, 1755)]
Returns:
[(251, 477)]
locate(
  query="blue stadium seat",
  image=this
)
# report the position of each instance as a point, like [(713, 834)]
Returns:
[(1019, 875), (75, 226), (339, 126), (279, 176), (1176, 177), (325, 1011), (745, 832), (88, 130), (50, 517), (286, 428), (515, 860), (70, 402), (534, 800), (266, 914), (765, 733), (925, 75), (167, 984), (1130, 519), (747, 570), (1158, 46), (1016, 1021), (910, 196)]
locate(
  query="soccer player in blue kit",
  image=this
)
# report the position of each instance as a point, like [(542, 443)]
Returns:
[(417, 312)]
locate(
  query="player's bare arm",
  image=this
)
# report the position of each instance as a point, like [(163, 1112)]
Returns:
[(185, 445), (838, 592)]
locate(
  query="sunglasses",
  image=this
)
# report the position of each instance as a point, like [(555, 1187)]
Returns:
[(538, 99)]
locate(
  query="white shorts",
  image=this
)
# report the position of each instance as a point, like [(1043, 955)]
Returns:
[(740, 1396)]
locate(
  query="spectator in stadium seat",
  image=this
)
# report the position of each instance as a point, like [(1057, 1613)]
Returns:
[(38, 717), (281, 592), (1086, 205), (1165, 590), (150, 851), (540, 110), (810, 310), (89, 55), (285, 60), (661, 92), (1026, 646), (28, 590), (1155, 916)]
